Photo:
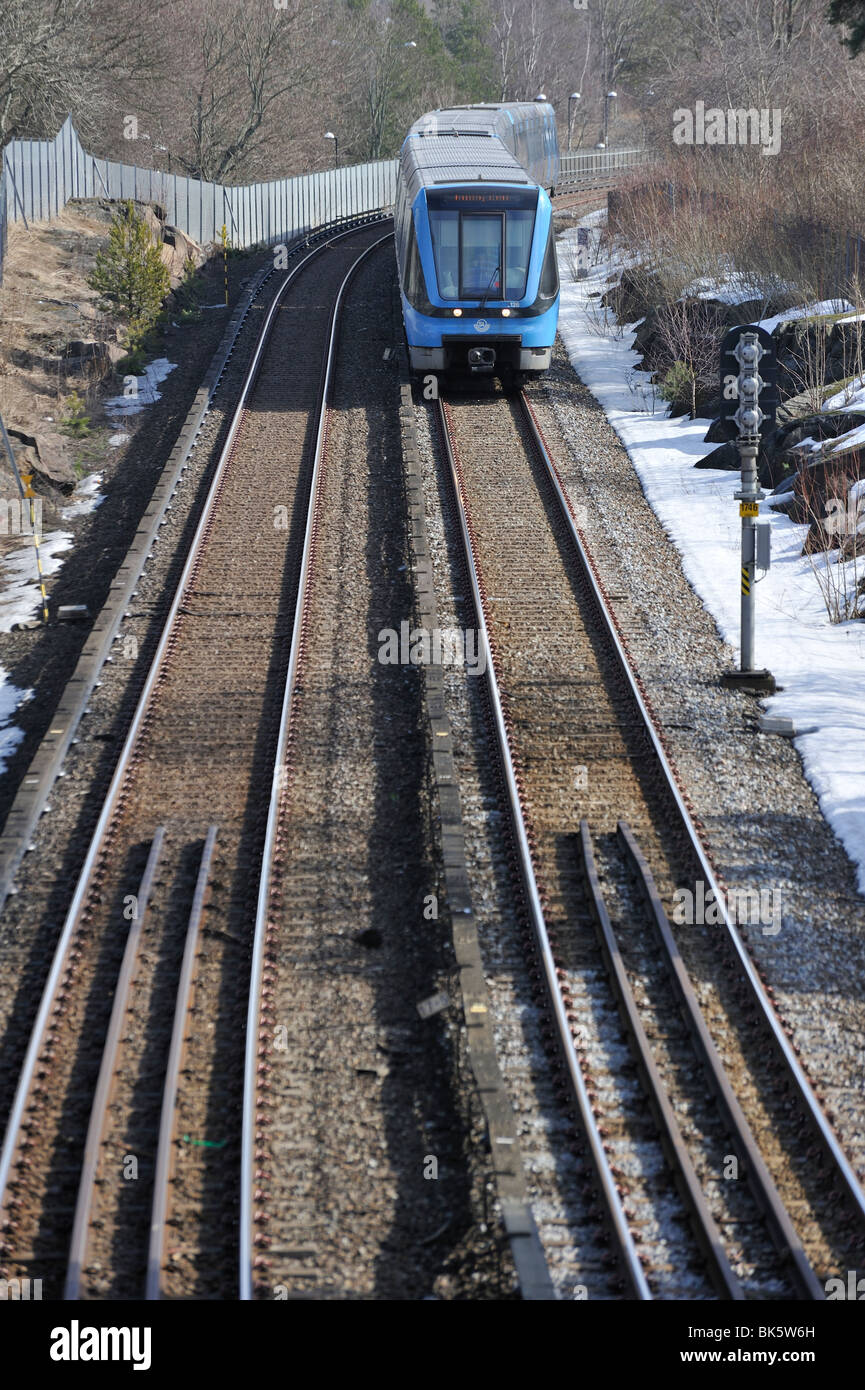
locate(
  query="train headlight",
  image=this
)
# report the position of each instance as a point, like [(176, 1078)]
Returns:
[(458, 313), (506, 313)]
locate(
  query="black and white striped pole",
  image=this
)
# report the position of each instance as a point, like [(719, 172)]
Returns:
[(752, 390)]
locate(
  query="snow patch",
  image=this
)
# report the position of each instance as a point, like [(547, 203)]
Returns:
[(20, 596), (154, 373), (808, 311), (11, 699), (86, 497), (852, 397)]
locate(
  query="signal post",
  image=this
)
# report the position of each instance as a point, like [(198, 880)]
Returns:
[(749, 399)]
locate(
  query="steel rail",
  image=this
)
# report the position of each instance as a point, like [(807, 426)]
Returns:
[(759, 996), (105, 1084), (250, 1087), (631, 1263), (165, 1150), (32, 796), (702, 1221), (757, 1174), (67, 935)]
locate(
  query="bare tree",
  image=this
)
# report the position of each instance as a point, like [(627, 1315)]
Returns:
[(247, 61), (62, 57)]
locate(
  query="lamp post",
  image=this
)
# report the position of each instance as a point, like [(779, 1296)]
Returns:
[(608, 97), (329, 135), (575, 96)]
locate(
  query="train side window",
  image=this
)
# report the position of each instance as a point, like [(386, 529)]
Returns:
[(415, 288), (549, 286)]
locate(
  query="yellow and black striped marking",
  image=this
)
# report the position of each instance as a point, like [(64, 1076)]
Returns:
[(746, 580), (27, 484)]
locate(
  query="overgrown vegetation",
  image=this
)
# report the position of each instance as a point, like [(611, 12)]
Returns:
[(131, 276), (188, 294), (245, 89), (75, 421)]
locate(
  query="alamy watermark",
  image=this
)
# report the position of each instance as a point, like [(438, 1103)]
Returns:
[(420, 646), (844, 518), (750, 907), (852, 1288), (20, 516), (735, 126)]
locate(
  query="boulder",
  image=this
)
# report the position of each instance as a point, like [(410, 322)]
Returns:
[(176, 250), (81, 355), (732, 315), (646, 334), (725, 456), (847, 343), (716, 433), (45, 453), (787, 503), (794, 407)]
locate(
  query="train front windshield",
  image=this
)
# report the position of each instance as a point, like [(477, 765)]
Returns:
[(482, 242)]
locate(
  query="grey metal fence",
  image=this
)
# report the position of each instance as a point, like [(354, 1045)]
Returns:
[(585, 167), (39, 177)]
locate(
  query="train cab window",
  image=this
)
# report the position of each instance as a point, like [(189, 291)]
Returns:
[(481, 256), (520, 225), (482, 250), (445, 231)]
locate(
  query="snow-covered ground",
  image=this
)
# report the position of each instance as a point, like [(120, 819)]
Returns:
[(86, 497), (11, 698), (20, 596), (820, 665), (144, 392)]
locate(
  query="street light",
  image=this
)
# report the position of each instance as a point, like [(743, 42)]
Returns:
[(411, 44), (541, 96), (329, 135), (608, 97), (575, 96)]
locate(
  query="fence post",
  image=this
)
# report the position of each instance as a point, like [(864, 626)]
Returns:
[(15, 191)]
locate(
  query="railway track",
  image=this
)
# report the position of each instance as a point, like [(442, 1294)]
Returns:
[(717, 1172), (120, 1163)]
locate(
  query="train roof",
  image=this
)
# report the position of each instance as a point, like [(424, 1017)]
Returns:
[(457, 160), (484, 119), (464, 143)]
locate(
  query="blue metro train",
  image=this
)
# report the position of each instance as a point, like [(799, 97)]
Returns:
[(474, 240)]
